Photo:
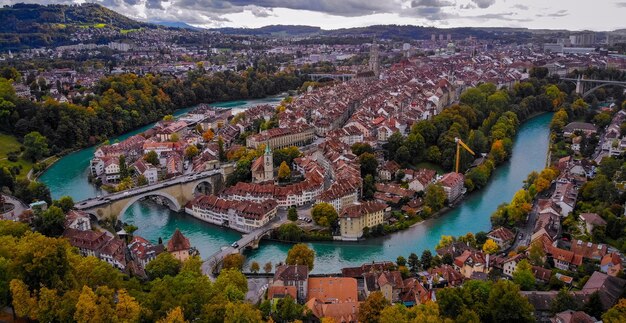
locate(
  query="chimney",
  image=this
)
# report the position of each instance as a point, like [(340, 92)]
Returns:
[(487, 262)]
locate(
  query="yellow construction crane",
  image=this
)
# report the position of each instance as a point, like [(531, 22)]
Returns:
[(460, 143)]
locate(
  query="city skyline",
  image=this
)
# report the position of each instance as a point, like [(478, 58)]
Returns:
[(534, 14)]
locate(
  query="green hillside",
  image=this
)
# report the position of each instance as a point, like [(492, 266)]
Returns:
[(32, 25)]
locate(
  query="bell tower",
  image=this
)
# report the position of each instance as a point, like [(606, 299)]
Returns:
[(268, 164)]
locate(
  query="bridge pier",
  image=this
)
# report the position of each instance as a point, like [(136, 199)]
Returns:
[(579, 87)]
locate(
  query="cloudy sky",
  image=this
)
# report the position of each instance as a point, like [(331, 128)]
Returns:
[(596, 15)]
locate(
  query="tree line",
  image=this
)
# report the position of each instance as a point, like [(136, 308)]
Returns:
[(121, 103)]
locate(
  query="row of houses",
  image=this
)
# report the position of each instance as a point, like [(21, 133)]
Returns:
[(128, 254)]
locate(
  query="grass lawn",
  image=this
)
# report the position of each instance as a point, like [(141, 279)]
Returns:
[(428, 165), (8, 144)]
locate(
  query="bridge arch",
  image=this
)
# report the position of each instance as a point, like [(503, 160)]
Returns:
[(590, 91), (172, 201), (204, 187)]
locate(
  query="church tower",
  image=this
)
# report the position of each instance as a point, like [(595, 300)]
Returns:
[(373, 61), (268, 164)]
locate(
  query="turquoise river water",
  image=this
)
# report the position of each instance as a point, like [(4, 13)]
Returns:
[(69, 177)]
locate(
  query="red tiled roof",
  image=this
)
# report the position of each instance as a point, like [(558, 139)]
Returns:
[(178, 242)]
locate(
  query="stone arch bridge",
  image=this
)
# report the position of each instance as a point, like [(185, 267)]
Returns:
[(175, 192)]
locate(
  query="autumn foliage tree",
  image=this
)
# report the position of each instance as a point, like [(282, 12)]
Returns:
[(301, 254), (284, 172), (208, 135), (371, 309), (497, 153), (324, 214), (233, 261), (490, 247)]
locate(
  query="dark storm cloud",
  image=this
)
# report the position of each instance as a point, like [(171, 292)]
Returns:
[(484, 3)]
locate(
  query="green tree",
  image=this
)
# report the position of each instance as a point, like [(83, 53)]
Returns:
[(506, 304), (267, 268), (168, 117), (523, 275), (433, 154), (559, 121), (368, 163), (234, 278), (414, 262), (435, 197), (292, 214), (221, 150), (361, 147), (287, 310), (427, 258), (602, 120), (536, 255), (300, 254), (50, 222), (324, 214), (369, 187), (124, 171), (36, 146), (593, 306), (152, 157), (163, 265), (290, 232), (370, 310), (142, 180), (401, 261), (450, 301), (66, 203), (563, 301)]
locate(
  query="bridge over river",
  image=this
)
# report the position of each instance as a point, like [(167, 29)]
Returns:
[(212, 264), (176, 192)]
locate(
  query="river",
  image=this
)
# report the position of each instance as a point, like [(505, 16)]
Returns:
[(69, 177)]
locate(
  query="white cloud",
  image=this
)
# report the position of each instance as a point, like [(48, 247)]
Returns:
[(332, 14)]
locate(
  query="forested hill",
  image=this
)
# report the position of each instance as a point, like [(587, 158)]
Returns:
[(32, 25)]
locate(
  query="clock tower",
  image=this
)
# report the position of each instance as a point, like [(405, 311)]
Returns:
[(268, 165)]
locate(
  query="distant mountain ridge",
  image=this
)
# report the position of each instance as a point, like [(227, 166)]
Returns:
[(175, 24), (291, 30)]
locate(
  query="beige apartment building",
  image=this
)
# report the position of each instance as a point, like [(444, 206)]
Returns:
[(355, 217)]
